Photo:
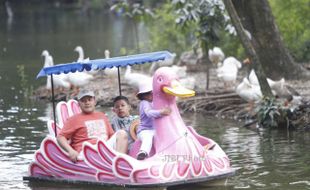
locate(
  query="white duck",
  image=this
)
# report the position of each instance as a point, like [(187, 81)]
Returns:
[(61, 80), (216, 56), (253, 78), (80, 51), (134, 79), (81, 59), (248, 91), (278, 88), (79, 79), (228, 72), (109, 71)]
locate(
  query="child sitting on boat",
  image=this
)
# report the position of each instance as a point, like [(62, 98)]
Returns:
[(147, 114), (123, 120)]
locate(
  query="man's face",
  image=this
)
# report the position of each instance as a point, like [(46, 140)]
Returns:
[(87, 104)]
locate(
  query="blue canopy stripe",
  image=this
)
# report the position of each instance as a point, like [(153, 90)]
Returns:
[(105, 63)]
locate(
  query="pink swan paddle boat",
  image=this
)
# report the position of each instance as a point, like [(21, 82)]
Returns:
[(179, 155)]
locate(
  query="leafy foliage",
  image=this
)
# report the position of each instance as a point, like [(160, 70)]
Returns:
[(135, 11), (209, 15), (272, 114), (292, 17), (165, 34)]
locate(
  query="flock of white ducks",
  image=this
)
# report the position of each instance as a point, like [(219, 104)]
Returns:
[(227, 71), (71, 80), (249, 88)]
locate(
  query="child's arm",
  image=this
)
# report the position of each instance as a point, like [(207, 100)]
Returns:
[(152, 113), (165, 111)]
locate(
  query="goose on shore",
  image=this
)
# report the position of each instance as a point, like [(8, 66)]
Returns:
[(112, 72), (78, 80), (134, 79), (228, 71), (80, 51), (216, 56), (248, 91)]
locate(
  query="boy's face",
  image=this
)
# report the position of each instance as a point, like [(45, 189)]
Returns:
[(121, 108)]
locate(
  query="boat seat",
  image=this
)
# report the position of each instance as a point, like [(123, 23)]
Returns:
[(52, 128), (62, 113), (64, 110), (74, 107)]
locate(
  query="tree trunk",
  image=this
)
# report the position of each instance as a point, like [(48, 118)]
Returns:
[(257, 18), (249, 46)]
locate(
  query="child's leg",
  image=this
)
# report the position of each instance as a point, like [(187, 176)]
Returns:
[(146, 137), (118, 141)]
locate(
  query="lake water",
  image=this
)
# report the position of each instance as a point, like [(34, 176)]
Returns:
[(266, 159)]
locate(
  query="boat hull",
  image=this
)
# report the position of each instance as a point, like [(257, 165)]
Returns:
[(206, 179)]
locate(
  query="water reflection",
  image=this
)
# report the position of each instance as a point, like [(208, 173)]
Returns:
[(266, 159)]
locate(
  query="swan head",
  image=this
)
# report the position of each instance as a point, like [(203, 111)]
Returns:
[(45, 53), (106, 53), (78, 49)]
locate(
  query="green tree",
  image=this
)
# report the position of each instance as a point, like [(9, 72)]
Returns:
[(210, 19), (256, 17), (164, 33), (249, 43), (292, 17), (136, 12)]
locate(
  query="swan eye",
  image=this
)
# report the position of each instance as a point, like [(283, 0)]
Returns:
[(160, 79)]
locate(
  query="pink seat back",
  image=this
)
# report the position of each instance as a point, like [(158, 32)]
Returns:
[(64, 110), (52, 127), (73, 107), (62, 113)]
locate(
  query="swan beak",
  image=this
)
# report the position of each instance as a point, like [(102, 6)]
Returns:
[(177, 90)]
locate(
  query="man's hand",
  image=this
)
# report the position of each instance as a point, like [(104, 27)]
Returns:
[(73, 155), (63, 142)]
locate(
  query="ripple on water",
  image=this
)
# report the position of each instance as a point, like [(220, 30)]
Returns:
[(13, 109), (12, 172)]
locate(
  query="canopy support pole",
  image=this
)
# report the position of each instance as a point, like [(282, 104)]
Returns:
[(53, 101), (119, 81)]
